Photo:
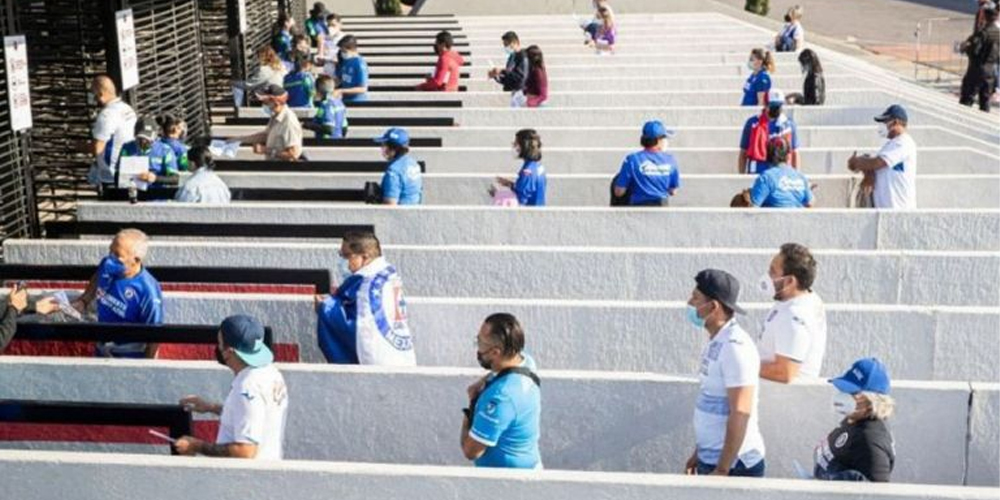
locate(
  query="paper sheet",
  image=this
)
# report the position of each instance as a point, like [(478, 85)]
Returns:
[(222, 148), (130, 167)]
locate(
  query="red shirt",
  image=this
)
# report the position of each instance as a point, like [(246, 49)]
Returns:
[(446, 73), (536, 89)]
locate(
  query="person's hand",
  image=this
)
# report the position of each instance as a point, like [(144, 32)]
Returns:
[(493, 73), (337, 94), (691, 467), (492, 190), (852, 162), (18, 299), (868, 185), (476, 388), (504, 182), (146, 177), (188, 445), (260, 149), (318, 301), (77, 304), (196, 404)]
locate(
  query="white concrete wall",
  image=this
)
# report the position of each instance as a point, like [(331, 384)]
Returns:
[(941, 230), (591, 420), (984, 443), (80, 475)]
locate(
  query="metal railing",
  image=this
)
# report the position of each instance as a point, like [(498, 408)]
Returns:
[(937, 59)]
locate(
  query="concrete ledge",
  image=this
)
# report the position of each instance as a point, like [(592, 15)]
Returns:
[(984, 445)]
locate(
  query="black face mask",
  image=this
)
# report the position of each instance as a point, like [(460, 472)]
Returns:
[(774, 112), (219, 357), (482, 362)]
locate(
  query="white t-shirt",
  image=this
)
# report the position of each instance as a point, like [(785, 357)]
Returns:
[(896, 184), (796, 329), (204, 186), (255, 410), (115, 125), (729, 360)]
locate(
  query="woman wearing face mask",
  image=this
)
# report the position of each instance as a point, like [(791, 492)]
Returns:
[(329, 46), (861, 447), (529, 187), (814, 86), (364, 320), (761, 65), (281, 38), (402, 183)]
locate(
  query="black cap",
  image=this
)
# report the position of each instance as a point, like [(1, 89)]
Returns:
[(721, 286), (894, 112), (146, 129), (318, 7), (269, 90)]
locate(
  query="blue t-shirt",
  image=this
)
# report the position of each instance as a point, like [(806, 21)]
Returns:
[(650, 175), (530, 184), (162, 160), (282, 44), (783, 126), (781, 187), (180, 151), (757, 82), (403, 182), (138, 299), (506, 420), (332, 116), (301, 88), (353, 72)]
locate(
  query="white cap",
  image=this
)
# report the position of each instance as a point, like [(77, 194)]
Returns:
[(775, 96)]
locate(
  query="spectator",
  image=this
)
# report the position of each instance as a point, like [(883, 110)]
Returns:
[(778, 125), (793, 342), (814, 86), (204, 186), (282, 139), (501, 424), (316, 25), (162, 162), (17, 302), (791, 38), (301, 84), (728, 440), (761, 65), (590, 26), (173, 130), (330, 121), (364, 320), (651, 176), (861, 448), (980, 18), (352, 72), (536, 88), (114, 126), (449, 66), (891, 175), (281, 39), (780, 186), (252, 419), (514, 76), (531, 182), (402, 183), (983, 49), (124, 292), (329, 49), (270, 70), (603, 38)]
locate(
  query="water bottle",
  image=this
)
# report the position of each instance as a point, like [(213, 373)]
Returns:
[(133, 193)]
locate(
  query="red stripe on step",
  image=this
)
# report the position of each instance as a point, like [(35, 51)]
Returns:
[(284, 353), (277, 289), (201, 429)]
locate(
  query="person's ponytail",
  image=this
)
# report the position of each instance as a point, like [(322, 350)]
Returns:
[(769, 62)]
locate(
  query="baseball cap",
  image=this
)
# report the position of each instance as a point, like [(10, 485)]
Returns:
[(394, 136), (868, 374), (654, 129), (775, 96), (720, 285), (270, 90), (246, 336), (894, 112), (145, 129)]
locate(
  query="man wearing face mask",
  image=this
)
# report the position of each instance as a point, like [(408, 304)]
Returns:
[(793, 341), (778, 125), (649, 177), (402, 183), (252, 419), (114, 126), (728, 440), (364, 320), (861, 448), (124, 292), (891, 175), (514, 76), (282, 139), (501, 423)]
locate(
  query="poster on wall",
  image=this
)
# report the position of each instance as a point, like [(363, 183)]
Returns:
[(242, 13), (15, 54), (128, 56)]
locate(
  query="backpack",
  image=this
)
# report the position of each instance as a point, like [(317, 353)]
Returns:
[(786, 42), (759, 134)]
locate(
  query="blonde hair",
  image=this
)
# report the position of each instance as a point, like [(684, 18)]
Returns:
[(882, 405), (268, 57), (795, 13)]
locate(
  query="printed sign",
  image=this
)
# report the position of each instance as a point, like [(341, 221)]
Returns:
[(127, 53), (241, 12), (15, 51)]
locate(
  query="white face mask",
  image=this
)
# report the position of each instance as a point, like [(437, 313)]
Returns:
[(843, 404), (766, 285), (883, 130), (344, 269), (91, 99), (508, 51), (750, 66)]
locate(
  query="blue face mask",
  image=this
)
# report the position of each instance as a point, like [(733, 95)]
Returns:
[(268, 112), (343, 269), (113, 267), (693, 318)]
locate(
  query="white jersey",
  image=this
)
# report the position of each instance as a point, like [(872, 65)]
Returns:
[(115, 126), (796, 329), (729, 360), (204, 186), (896, 184), (383, 332), (255, 411)]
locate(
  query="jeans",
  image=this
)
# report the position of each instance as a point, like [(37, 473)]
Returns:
[(738, 470)]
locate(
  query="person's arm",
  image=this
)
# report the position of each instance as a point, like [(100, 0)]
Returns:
[(392, 188), (248, 432), (82, 303), (740, 406), (763, 86), (151, 313), (471, 448), (188, 445), (491, 420), (809, 197), (760, 191), (100, 135), (880, 468), (289, 154), (793, 155), (741, 166), (865, 164), (782, 369), (524, 187), (623, 179), (675, 180), (440, 78)]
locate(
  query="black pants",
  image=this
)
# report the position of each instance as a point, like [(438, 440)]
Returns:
[(979, 82)]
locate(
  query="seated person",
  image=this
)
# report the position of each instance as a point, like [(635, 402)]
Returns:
[(301, 84), (329, 49), (352, 72), (282, 139), (531, 182), (603, 37), (780, 186), (651, 176), (204, 186), (814, 85), (778, 125), (162, 161), (402, 183), (330, 121), (449, 66), (173, 129)]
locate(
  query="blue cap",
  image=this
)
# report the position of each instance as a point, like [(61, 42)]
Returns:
[(655, 129), (894, 112), (394, 136), (246, 336), (867, 375)]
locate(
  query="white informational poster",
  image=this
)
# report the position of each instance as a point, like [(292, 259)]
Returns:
[(241, 8), (129, 168), (15, 52), (127, 53)]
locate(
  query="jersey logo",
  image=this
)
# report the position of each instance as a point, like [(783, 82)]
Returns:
[(772, 315), (247, 395), (841, 440), (491, 408), (651, 169), (129, 293), (899, 167), (790, 184)]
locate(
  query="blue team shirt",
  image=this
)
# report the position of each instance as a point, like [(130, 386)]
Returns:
[(530, 185), (353, 72), (783, 126), (180, 151), (162, 160), (781, 187), (506, 420), (757, 82), (650, 175), (301, 88), (403, 182), (332, 116), (283, 44), (138, 299)]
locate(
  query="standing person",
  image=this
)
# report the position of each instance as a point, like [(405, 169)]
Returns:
[(501, 425), (114, 126), (603, 38), (449, 66), (204, 186), (791, 38), (814, 85), (780, 186), (793, 341), (253, 417), (530, 185), (983, 49), (301, 83), (364, 321), (282, 139), (651, 176), (861, 448), (728, 440), (778, 125), (162, 162), (172, 133), (536, 88), (329, 48), (402, 183), (514, 75), (891, 175), (281, 38), (316, 25), (330, 121), (761, 65), (352, 72)]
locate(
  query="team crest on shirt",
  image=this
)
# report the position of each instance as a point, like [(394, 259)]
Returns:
[(129, 293), (652, 169), (491, 408), (773, 313), (840, 441)]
